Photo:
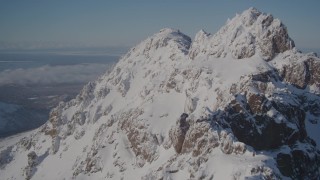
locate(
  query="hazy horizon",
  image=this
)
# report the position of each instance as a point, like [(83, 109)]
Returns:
[(33, 82), (98, 24)]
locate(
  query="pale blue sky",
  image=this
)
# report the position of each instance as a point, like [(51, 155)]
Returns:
[(125, 23)]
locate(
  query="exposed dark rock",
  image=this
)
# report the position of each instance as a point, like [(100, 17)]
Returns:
[(284, 164), (200, 139), (299, 164), (178, 134), (265, 76), (302, 74), (248, 119), (257, 103), (139, 137), (275, 40), (314, 66), (183, 121), (32, 163), (264, 173), (296, 74)]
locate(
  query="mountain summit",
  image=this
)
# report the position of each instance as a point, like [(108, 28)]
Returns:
[(247, 34), (243, 103)]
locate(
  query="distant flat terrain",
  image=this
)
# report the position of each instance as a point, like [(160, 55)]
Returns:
[(32, 83)]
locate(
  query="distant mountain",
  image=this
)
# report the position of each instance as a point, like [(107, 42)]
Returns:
[(240, 104)]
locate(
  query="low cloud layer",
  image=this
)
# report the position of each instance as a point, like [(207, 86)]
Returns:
[(80, 73)]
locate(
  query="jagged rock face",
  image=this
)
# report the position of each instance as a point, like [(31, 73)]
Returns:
[(313, 70), (296, 74), (176, 109), (298, 164), (270, 123), (178, 134), (200, 139), (302, 74), (143, 143), (201, 38), (264, 124), (32, 163)]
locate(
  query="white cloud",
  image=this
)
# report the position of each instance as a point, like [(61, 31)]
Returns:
[(80, 73)]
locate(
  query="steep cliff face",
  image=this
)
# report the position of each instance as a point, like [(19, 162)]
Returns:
[(242, 103)]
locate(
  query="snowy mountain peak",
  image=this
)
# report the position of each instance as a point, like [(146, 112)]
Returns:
[(166, 38), (170, 111), (250, 33), (201, 36), (249, 16), (168, 31)]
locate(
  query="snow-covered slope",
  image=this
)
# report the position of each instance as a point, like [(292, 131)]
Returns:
[(240, 104)]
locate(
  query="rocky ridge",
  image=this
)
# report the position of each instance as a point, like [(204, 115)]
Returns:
[(247, 34)]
